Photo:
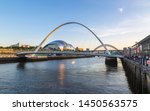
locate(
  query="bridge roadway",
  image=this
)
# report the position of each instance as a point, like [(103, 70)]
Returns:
[(23, 54)]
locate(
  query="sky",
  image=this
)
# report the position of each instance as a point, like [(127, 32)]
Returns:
[(117, 22)]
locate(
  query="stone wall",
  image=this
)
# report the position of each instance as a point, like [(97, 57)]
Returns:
[(138, 76)]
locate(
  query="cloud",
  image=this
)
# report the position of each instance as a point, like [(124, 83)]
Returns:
[(137, 25), (143, 3), (126, 32)]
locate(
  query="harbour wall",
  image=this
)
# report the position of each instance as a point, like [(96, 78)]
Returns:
[(138, 76)]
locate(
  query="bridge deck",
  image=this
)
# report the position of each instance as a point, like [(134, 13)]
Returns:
[(70, 53)]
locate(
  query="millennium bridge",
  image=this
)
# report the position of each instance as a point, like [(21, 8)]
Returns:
[(106, 53)]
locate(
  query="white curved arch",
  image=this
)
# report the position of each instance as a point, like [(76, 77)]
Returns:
[(107, 45), (67, 23)]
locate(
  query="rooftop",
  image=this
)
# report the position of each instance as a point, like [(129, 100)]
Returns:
[(143, 40)]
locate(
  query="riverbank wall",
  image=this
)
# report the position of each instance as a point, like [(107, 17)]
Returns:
[(138, 76), (34, 59)]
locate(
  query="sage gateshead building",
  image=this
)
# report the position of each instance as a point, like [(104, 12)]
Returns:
[(59, 45)]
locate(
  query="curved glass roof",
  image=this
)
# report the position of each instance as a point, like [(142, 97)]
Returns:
[(60, 43)]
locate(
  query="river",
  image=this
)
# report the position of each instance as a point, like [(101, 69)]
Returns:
[(72, 76)]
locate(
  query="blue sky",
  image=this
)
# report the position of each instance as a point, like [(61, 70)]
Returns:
[(117, 22)]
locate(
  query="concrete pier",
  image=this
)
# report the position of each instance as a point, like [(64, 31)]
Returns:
[(138, 76), (111, 61)]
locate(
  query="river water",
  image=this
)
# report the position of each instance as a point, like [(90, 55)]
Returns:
[(72, 76)]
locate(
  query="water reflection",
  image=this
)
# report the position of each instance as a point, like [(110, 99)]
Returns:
[(110, 68), (21, 65), (62, 74)]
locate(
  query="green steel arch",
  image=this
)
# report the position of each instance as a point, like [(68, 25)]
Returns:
[(67, 23)]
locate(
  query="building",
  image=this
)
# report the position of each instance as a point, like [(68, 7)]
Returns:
[(16, 45), (59, 45), (140, 48), (4, 51), (20, 45), (144, 45), (78, 49)]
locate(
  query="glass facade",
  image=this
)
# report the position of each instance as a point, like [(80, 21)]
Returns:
[(59, 45)]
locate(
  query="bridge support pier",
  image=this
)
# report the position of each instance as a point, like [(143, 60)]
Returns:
[(22, 59), (111, 61)]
